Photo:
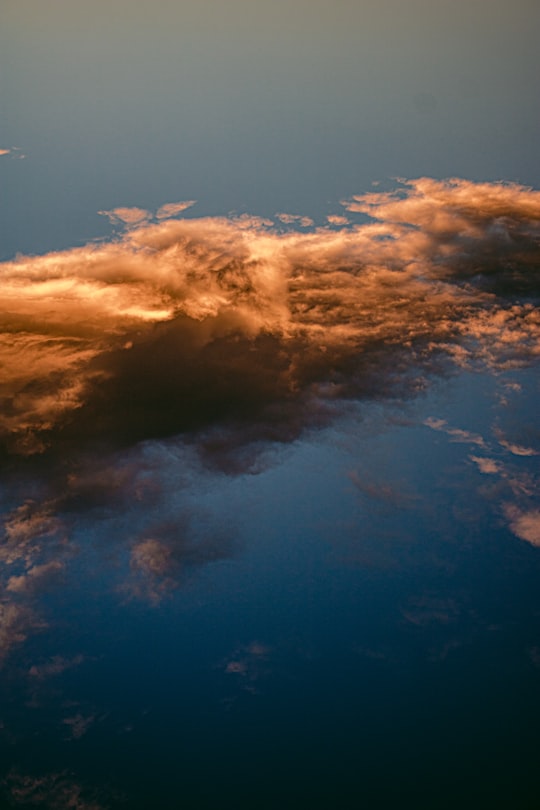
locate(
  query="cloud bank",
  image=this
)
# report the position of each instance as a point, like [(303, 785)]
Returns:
[(185, 326), (222, 336)]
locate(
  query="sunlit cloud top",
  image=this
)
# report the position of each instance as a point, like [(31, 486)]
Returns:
[(183, 324)]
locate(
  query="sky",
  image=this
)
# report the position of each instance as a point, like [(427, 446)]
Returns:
[(269, 384)]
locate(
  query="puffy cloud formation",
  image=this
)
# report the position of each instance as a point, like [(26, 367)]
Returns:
[(187, 325), (127, 216), (295, 219), (524, 524)]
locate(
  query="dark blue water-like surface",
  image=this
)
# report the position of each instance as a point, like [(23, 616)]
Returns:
[(369, 639)]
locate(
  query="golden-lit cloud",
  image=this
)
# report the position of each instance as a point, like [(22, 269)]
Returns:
[(456, 434), (295, 219), (172, 209), (337, 219), (127, 216), (183, 324)]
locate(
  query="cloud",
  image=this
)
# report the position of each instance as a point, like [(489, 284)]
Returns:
[(513, 447), (250, 664), (78, 725), (186, 325), (56, 791), (172, 209), (127, 216), (396, 495), (162, 558), (55, 666), (337, 219), (14, 151), (517, 449), (17, 622), (487, 466), (425, 610), (25, 528), (522, 514), (525, 524), (216, 338), (456, 434), (135, 217), (37, 578), (295, 219)]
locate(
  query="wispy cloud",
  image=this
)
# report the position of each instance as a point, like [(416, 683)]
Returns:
[(55, 666), (521, 514), (295, 219), (127, 216), (337, 219), (456, 434), (78, 725), (514, 448), (525, 524), (15, 152), (57, 791), (172, 209), (17, 622), (390, 494)]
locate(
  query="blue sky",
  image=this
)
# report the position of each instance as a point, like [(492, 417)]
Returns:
[(255, 107)]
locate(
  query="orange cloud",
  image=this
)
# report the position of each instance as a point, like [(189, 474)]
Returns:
[(172, 209), (127, 216), (238, 317), (295, 219), (525, 524)]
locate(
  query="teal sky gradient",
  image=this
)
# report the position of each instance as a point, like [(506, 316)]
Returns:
[(254, 106)]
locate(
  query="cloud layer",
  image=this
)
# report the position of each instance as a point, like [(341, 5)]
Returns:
[(188, 325), (224, 336)]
